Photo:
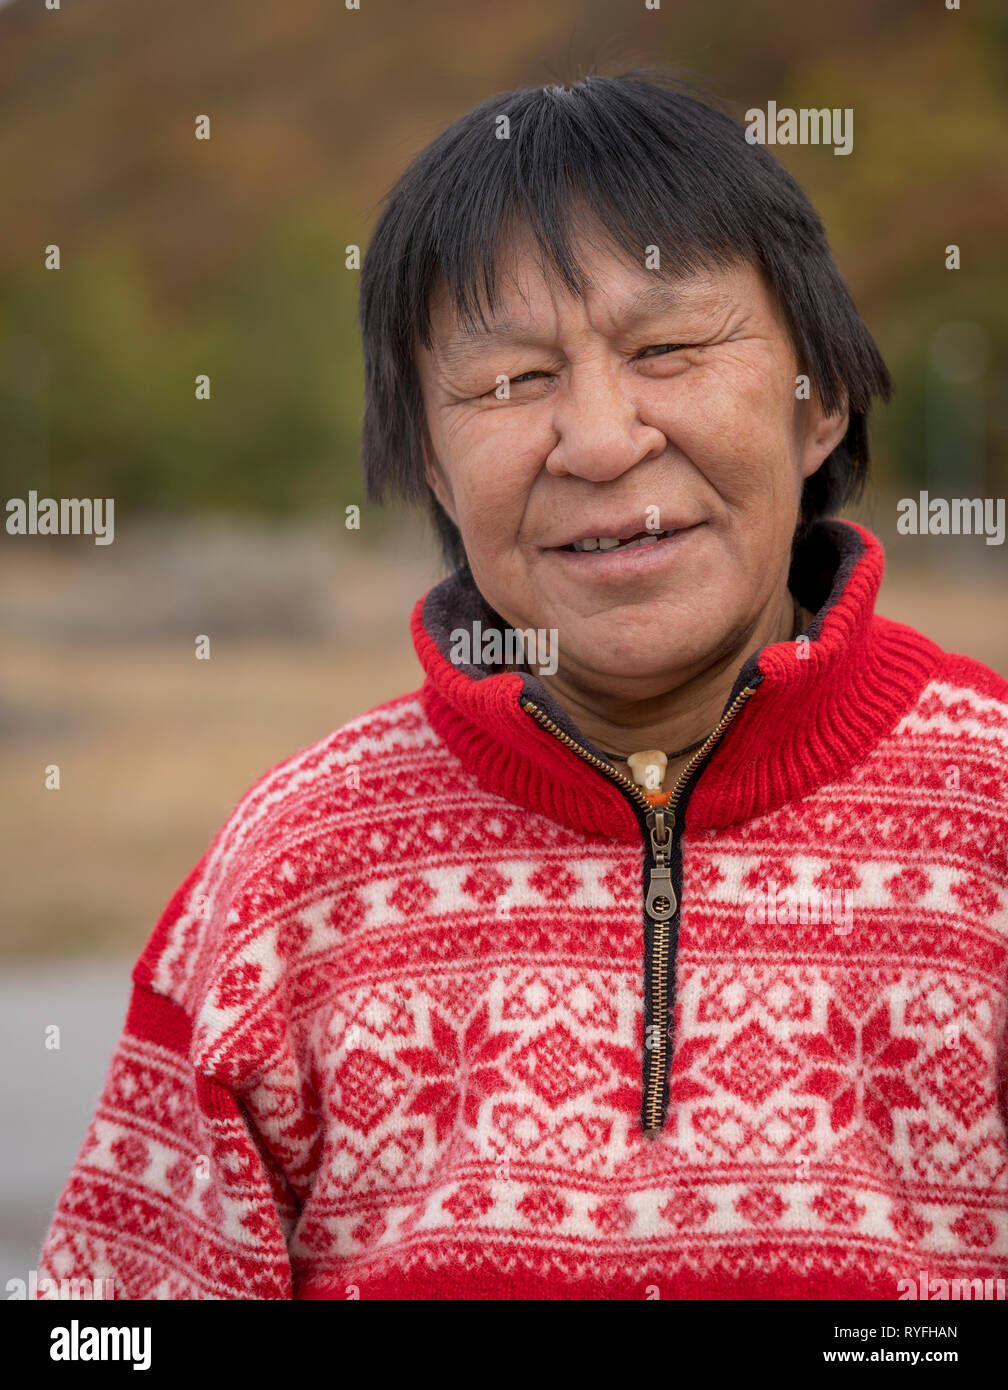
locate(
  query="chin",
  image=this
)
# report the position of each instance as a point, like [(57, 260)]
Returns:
[(653, 668)]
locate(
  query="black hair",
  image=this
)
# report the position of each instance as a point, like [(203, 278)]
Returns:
[(655, 164)]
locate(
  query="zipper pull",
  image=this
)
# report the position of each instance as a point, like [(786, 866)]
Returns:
[(661, 904)]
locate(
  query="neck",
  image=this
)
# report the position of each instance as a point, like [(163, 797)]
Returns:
[(681, 716)]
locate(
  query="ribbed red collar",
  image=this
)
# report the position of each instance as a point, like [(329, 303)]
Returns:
[(808, 723)]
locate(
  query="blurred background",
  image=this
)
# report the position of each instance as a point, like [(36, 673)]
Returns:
[(227, 257)]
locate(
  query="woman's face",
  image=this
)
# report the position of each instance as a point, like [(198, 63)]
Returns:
[(650, 406)]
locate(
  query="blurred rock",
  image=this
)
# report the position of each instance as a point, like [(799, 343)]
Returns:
[(232, 579)]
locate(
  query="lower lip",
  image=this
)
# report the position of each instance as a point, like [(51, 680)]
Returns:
[(639, 559)]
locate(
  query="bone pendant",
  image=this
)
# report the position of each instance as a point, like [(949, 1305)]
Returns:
[(648, 768)]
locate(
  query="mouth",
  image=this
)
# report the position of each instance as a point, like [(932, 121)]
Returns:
[(614, 542), (626, 559)]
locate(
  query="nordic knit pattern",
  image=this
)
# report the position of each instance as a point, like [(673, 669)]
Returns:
[(389, 1035)]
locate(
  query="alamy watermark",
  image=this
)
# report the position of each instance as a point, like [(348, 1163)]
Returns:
[(76, 1343), (788, 906), (62, 516), (85, 1288), (958, 516), (806, 126), (512, 647), (960, 1290)]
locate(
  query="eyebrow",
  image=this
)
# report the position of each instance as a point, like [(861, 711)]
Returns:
[(652, 299)]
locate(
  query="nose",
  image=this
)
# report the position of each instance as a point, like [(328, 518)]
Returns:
[(599, 430)]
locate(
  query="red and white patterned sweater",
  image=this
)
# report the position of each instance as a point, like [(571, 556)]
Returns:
[(389, 1035)]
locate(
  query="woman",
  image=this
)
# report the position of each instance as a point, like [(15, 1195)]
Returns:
[(658, 942)]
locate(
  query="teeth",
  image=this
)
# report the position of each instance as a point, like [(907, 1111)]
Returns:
[(614, 543)]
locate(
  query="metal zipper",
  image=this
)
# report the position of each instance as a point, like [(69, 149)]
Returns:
[(660, 905)]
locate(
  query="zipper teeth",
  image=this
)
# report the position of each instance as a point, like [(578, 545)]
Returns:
[(658, 1065), (659, 974), (660, 938), (728, 715), (542, 718)]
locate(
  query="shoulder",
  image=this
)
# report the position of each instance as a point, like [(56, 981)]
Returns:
[(952, 690), (269, 870), (955, 743), (963, 699)]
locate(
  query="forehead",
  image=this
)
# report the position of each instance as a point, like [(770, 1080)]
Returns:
[(527, 292)]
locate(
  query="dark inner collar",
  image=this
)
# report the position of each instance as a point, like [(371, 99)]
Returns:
[(821, 564)]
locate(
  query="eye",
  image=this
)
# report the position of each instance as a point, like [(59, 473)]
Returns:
[(663, 348), (518, 380)]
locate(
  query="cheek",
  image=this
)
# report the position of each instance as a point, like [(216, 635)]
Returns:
[(493, 469), (735, 424), (750, 383)]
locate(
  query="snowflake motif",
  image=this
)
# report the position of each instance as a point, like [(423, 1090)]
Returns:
[(833, 878), (238, 985), (212, 1206), (908, 1223), (976, 896), (974, 1229), (370, 1228), (469, 1202), (619, 884), (690, 1210), (613, 1216), (293, 939), (836, 1207), (705, 878), (131, 1154), (765, 871), (763, 1206), (557, 884), (411, 897), (258, 1222), (683, 1086), (541, 1206), (486, 886), (314, 1236), (859, 1070), (908, 886), (625, 1096), (458, 1071), (180, 1177)]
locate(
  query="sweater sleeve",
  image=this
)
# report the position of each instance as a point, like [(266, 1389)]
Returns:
[(173, 1194)]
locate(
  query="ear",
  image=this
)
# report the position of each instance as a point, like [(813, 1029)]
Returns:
[(435, 475), (823, 434)]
